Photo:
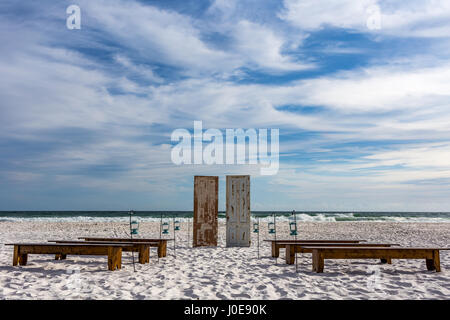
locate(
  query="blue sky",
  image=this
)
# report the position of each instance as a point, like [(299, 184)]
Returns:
[(364, 113)]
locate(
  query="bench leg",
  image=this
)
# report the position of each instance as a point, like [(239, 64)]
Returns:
[(435, 263), (318, 261), (23, 258), (114, 258), (141, 255), (430, 264), (144, 253), (162, 249), (19, 258), (290, 254), (16, 256), (275, 250)]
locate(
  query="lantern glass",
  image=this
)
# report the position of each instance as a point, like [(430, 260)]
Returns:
[(176, 225), (271, 227), (165, 227), (256, 227), (134, 226), (293, 226)]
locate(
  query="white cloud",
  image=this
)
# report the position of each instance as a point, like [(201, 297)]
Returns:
[(262, 47), (159, 35), (428, 156), (144, 71), (398, 18), (46, 89), (380, 89), (315, 14), (171, 38)]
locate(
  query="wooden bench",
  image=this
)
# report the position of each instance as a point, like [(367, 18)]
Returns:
[(294, 247), (280, 244), (319, 254), (113, 251), (161, 244), (143, 248)]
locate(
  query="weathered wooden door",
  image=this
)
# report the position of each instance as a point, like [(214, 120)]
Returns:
[(238, 211), (205, 210)]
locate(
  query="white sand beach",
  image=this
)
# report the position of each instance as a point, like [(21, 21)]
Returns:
[(224, 273)]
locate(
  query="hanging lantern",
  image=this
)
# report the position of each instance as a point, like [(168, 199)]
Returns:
[(176, 225), (256, 227), (134, 227), (271, 226), (165, 228), (293, 228)]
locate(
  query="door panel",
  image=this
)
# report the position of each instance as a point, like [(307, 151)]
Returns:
[(238, 211), (205, 210)]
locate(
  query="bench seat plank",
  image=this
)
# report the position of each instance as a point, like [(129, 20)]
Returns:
[(112, 251), (431, 255), (143, 248), (160, 243), (292, 248), (281, 244)]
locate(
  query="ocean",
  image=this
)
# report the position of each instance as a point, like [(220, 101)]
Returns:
[(123, 216)]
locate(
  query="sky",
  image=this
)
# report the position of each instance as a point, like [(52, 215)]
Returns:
[(359, 91)]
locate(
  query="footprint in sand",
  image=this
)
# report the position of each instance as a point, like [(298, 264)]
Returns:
[(261, 287), (241, 295)]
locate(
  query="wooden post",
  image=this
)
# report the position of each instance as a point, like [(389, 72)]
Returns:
[(290, 253), (436, 260), (275, 250), (144, 253), (114, 258), (162, 248), (23, 258), (434, 263), (430, 264), (16, 255), (141, 254), (147, 254), (318, 262), (111, 266)]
